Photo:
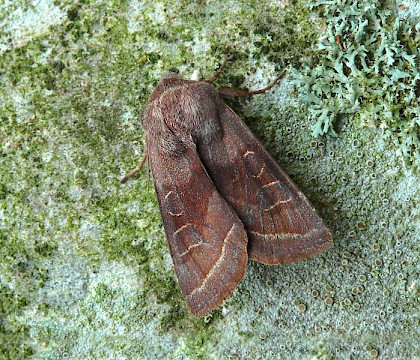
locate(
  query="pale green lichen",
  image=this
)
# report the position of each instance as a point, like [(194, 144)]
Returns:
[(369, 70), (85, 270)]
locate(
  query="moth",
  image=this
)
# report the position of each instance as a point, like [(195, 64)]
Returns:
[(222, 197)]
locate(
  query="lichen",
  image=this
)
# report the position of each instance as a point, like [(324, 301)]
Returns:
[(368, 71)]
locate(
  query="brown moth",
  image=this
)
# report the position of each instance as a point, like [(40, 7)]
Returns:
[(223, 198)]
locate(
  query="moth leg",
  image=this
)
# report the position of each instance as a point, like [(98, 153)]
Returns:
[(136, 169), (219, 71), (233, 92)]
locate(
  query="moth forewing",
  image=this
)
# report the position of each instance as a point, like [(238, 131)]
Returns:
[(207, 240), (282, 225)]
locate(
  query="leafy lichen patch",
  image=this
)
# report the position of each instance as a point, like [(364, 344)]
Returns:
[(369, 69)]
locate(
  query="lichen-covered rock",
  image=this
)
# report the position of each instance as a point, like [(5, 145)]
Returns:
[(85, 271)]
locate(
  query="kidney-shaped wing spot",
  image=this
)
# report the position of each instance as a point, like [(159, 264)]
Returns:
[(173, 204)]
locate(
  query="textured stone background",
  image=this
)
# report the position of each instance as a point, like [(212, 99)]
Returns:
[(85, 271)]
